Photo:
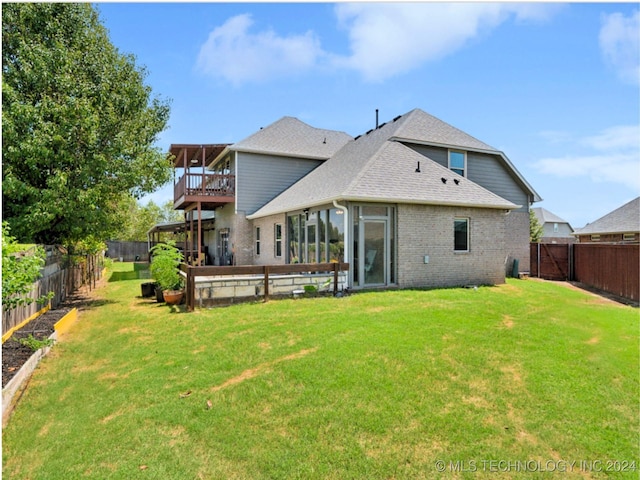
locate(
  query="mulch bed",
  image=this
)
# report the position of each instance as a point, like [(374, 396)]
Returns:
[(14, 354)]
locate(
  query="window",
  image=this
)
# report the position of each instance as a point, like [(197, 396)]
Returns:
[(457, 162), (555, 228), (278, 240), (257, 240), (461, 235), (315, 236), (628, 237), (595, 238)]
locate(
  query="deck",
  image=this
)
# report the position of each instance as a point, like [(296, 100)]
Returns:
[(211, 190)]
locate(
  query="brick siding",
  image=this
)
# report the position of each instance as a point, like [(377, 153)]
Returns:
[(428, 230)]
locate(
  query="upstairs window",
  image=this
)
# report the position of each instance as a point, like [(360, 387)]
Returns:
[(458, 162)]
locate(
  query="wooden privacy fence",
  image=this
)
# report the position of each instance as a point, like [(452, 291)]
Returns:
[(63, 277), (128, 251), (614, 269), (551, 261), (264, 271)]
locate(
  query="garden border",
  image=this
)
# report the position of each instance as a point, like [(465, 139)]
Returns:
[(13, 390)]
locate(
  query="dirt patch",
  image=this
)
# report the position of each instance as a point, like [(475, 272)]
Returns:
[(507, 321), (262, 368)]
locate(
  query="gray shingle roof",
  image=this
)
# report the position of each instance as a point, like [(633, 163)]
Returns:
[(420, 127), (374, 168), (625, 219), (292, 137), (545, 216)]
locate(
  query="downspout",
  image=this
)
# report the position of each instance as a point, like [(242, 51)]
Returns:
[(347, 249)]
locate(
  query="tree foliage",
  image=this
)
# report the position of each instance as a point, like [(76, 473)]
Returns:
[(141, 218), (535, 229), (78, 125), (19, 270)]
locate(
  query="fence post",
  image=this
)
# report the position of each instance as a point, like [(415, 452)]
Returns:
[(335, 279), (266, 283)]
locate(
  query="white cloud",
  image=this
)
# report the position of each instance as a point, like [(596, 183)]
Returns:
[(623, 137), (387, 39), (620, 45), (237, 55), (612, 156)]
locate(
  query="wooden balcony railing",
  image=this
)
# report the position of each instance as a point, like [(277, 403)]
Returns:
[(205, 185)]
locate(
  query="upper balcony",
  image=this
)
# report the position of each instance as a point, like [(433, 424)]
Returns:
[(197, 185), (211, 190)]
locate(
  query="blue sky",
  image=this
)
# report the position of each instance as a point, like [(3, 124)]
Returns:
[(555, 86)]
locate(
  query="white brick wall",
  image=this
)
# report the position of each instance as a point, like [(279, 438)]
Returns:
[(428, 230), (267, 240)]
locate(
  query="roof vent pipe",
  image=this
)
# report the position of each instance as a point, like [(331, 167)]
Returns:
[(376, 118)]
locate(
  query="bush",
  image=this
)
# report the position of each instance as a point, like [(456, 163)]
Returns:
[(166, 259), (20, 270)]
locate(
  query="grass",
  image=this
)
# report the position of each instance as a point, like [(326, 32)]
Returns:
[(378, 385)]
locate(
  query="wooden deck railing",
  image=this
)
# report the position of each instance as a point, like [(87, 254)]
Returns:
[(262, 270), (205, 184)]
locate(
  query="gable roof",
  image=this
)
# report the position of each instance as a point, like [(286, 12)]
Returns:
[(294, 138), (420, 127), (424, 129), (374, 167), (545, 216), (625, 219)]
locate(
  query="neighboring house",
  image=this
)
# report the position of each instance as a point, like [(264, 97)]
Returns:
[(619, 226), (414, 202), (554, 228)]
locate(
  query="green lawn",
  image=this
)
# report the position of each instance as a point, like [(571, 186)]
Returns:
[(509, 381)]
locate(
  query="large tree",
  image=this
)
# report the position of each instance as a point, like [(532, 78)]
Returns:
[(142, 218), (79, 125)]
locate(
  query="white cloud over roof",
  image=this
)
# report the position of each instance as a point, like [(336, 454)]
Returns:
[(608, 156), (384, 40), (238, 55), (387, 39)]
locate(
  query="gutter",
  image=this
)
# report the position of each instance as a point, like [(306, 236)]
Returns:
[(503, 206)]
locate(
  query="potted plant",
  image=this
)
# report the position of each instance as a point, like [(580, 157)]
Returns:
[(165, 263)]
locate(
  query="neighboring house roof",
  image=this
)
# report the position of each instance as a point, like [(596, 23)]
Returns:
[(292, 137), (625, 219), (545, 216), (374, 167)]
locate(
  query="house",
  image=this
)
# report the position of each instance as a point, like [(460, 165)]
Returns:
[(622, 225), (554, 228), (413, 202)]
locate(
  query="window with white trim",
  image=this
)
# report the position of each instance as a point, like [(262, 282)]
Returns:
[(257, 240), (461, 235), (278, 239), (458, 162)]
